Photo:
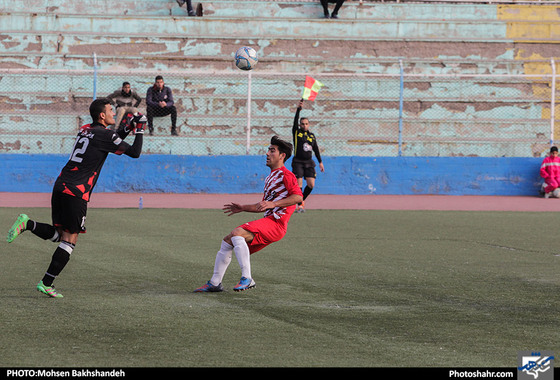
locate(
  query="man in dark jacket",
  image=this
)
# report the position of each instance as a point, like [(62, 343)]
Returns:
[(159, 102)]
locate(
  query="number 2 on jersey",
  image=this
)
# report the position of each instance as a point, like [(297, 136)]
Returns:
[(78, 149)]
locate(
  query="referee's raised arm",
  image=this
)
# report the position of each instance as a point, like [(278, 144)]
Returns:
[(296, 117)]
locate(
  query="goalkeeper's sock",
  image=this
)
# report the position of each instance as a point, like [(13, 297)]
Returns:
[(43, 230), (243, 255), (223, 258), (306, 191), (59, 260)]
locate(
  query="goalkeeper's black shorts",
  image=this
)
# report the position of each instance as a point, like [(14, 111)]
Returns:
[(68, 212)]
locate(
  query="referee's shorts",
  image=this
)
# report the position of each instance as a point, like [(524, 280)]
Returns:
[(303, 168)]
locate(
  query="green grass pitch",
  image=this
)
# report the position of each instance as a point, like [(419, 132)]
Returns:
[(343, 288)]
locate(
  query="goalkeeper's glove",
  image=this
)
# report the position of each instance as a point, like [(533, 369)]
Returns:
[(139, 122), (127, 123)]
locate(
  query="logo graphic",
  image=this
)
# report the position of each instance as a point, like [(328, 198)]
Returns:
[(535, 365)]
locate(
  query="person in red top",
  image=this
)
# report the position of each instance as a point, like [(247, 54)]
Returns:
[(73, 187), (550, 171), (281, 194)]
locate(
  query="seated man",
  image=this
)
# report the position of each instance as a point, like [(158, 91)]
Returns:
[(126, 101), (159, 102), (334, 14), (190, 9), (550, 171)]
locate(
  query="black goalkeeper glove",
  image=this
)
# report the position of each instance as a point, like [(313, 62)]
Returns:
[(139, 121), (127, 123)]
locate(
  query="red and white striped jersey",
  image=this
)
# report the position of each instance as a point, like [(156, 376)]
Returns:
[(280, 184)]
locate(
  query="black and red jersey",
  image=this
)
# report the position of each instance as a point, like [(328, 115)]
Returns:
[(93, 143)]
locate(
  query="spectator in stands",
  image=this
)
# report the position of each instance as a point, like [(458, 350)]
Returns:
[(190, 9), (125, 101), (334, 14), (550, 171), (159, 102)]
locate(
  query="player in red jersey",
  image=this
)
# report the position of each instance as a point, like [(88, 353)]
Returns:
[(281, 194), (73, 187)]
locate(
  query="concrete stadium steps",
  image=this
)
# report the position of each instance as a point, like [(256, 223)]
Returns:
[(230, 18), (36, 144), (434, 30), (39, 61), (273, 86), (301, 9), (196, 125), (163, 143), (42, 34), (33, 123), (200, 134), (156, 36), (226, 94), (53, 51)]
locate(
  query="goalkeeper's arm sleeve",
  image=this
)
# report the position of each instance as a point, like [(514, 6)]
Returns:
[(135, 149)]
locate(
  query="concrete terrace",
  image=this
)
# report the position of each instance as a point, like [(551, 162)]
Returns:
[(47, 49)]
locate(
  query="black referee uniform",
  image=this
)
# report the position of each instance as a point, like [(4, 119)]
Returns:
[(305, 144)]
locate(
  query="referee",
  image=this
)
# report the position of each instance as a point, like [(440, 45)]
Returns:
[(303, 166)]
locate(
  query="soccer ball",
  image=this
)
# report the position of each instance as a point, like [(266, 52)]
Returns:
[(246, 58), (556, 193)]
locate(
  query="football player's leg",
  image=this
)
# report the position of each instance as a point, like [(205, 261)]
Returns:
[(19, 226), (309, 185), (310, 175), (223, 259), (59, 259), (24, 223), (242, 255), (239, 238), (69, 215), (43, 230)]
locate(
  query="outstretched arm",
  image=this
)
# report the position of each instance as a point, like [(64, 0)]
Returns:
[(296, 117), (234, 208), (137, 123)]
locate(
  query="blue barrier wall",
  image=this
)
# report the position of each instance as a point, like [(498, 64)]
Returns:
[(245, 174)]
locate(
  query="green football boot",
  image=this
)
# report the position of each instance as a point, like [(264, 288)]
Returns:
[(19, 226), (48, 290)]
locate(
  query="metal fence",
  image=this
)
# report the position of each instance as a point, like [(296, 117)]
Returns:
[(398, 113)]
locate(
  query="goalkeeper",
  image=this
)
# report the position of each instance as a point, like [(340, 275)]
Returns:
[(73, 187)]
